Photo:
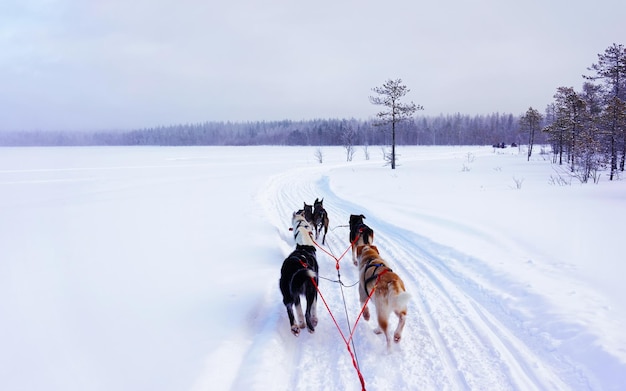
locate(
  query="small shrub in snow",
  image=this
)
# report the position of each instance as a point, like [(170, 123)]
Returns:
[(319, 155), (561, 178)]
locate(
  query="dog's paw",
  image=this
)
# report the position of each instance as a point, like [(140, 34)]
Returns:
[(397, 337), (302, 325), (311, 323), (366, 314), (377, 330), (295, 330)]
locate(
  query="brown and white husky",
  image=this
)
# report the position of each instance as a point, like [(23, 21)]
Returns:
[(386, 289)]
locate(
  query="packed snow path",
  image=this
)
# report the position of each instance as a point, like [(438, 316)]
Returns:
[(459, 333)]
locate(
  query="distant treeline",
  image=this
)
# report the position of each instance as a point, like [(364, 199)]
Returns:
[(456, 129)]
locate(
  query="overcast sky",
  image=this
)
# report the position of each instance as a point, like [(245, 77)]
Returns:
[(121, 64)]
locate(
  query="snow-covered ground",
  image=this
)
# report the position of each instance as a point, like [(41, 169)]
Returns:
[(156, 268)]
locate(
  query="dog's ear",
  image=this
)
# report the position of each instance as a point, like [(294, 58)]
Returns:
[(363, 217), (374, 248)]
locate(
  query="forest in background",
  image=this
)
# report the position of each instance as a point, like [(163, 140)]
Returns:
[(454, 129)]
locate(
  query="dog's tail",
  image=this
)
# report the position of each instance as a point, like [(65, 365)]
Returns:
[(308, 273), (402, 299)]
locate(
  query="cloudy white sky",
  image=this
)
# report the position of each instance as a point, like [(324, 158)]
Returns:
[(119, 64)]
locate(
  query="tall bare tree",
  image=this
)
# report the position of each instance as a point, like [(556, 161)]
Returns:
[(348, 139), (531, 122), (389, 95)]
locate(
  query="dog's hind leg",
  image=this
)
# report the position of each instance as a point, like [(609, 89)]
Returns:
[(397, 335), (382, 313), (400, 309), (294, 328), (311, 312), (288, 301), (299, 313), (314, 312), (382, 329)]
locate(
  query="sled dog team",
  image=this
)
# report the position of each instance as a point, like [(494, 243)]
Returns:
[(300, 273)]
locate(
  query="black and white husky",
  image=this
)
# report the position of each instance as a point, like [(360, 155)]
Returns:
[(299, 276), (302, 229)]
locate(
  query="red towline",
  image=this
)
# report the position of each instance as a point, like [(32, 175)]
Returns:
[(348, 340)]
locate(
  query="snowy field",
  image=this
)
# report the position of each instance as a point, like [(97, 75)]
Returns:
[(156, 268)]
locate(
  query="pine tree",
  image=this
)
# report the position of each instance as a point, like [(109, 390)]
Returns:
[(389, 96), (611, 69)]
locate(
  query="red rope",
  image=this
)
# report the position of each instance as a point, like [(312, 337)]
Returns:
[(330, 254), (346, 341)]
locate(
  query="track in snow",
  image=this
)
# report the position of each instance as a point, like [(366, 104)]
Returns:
[(459, 333)]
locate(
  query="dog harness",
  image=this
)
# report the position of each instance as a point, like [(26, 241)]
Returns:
[(305, 255), (376, 274)]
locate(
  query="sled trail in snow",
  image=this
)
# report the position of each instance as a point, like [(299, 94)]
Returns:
[(459, 334)]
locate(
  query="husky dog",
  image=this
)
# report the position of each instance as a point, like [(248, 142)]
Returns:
[(320, 219), (308, 212), (360, 234), (299, 276), (302, 229), (386, 290)]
